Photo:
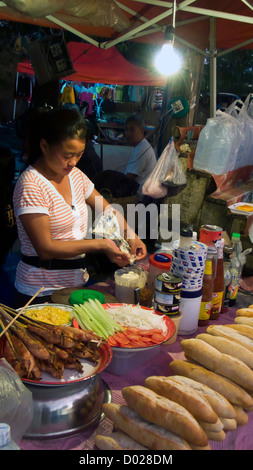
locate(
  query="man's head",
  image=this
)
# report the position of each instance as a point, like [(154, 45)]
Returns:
[(134, 129)]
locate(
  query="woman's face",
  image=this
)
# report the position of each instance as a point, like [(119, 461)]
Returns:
[(62, 158)]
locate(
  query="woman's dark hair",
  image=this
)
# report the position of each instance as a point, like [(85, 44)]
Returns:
[(53, 125)]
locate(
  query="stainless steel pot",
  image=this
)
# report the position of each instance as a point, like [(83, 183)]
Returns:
[(67, 409)]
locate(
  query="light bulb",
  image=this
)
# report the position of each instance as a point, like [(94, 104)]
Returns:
[(167, 61)]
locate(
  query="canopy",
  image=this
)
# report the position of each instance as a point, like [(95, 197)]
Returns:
[(108, 66), (199, 24)]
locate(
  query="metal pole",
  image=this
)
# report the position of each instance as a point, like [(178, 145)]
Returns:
[(213, 68)]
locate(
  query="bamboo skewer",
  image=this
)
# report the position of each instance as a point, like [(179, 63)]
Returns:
[(21, 311)]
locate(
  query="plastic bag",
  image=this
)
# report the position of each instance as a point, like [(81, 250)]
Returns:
[(16, 403), (107, 226), (167, 171), (218, 144)]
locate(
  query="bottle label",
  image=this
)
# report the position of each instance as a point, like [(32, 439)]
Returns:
[(205, 310), (217, 302), (226, 296), (208, 267), (233, 292)]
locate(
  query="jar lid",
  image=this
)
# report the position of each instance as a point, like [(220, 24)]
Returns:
[(160, 260), (5, 434), (81, 296)]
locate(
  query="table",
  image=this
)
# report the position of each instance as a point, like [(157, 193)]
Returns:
[(240, 439)]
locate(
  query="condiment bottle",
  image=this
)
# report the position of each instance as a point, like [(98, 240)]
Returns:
[(207, 293), (235, 267), (159, 263), (6, 442), (186, 237), (227, 277), (218, 286)]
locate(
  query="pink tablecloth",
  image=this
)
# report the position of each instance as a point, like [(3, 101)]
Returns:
[(240, 439)]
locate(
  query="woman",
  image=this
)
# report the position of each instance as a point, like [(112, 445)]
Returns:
[(50, 203)]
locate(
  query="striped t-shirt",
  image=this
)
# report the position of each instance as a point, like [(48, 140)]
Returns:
[(34, 193)]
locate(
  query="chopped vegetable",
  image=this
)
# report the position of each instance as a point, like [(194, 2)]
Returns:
[(136, 316), (91, 315), (136, 338)]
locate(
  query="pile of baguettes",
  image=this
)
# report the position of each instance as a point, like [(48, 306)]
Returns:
[(209, 394)]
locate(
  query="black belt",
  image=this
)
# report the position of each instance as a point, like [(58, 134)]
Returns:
[(54, 263)]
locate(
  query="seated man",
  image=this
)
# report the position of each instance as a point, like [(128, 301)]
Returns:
[(143, 158)]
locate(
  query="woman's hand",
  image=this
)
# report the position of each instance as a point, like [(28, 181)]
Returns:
[(114, 254), (138, 248)]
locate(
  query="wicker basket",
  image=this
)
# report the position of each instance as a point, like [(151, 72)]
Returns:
[(122, 201)]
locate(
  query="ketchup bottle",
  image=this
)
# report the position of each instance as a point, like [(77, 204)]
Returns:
[(218, 287), (207, 292)]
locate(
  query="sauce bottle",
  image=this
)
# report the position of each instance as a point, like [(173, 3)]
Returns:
[(207, 293), (218, 286), (227, 278)]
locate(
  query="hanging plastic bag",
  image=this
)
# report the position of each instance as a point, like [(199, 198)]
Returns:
[(218, 144), (16, 403), (167, 172)]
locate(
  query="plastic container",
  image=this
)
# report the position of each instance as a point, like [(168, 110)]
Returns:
[(126, 281), (189, 306), (6, 442), (158, 263), (81, 296)]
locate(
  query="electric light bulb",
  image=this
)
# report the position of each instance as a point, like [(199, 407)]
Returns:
[(167, 61)]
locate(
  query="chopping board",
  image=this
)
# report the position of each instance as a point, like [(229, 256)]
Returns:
[(61, 296)]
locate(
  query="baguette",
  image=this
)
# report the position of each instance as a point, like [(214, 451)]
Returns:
[(165, 413), (117, 441), (241, 416), (215, 427), (226, 332), (245, 312), (182, 394), (244, 330), (227, 346), (208, 447), (222, 364), (216, 436), (229, 424), (244, 320), (232, 392), (149, 435), (218, 402)]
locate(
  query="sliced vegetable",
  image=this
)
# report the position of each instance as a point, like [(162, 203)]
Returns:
[(136, 338), (91, 315)]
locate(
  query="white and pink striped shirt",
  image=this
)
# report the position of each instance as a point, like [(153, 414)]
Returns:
[(34, 193)]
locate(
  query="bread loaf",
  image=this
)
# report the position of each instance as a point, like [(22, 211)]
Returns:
[(227, 346), (222, 364), (244, 330), (241, 417), (215, 427), (229, 424), (216, 436), (218, 402), (232, 392), (148, 434), (245, 312), (226, 332), (117, 441), (244, 320), (164, 412), (181, 393)]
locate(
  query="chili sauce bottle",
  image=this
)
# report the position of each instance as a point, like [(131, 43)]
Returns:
[(227, 278)]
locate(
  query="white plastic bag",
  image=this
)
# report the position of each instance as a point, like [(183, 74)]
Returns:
[(218, 144), (167, 171), (16, 403)]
